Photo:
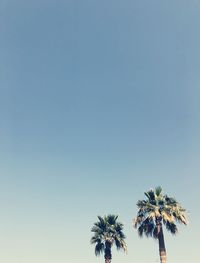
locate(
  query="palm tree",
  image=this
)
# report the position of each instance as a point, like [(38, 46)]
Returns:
[(107, 231), (154, 212)]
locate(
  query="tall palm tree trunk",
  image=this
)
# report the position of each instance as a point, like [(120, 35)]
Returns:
[(161, 241)]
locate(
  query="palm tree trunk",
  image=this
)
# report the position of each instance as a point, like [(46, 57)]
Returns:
[(107, 252), (162, 250)]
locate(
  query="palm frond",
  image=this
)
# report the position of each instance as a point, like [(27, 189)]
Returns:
[(158, 191), (95, 239), (99, 248), (146, 228), (170, 226), (120, 244), (111, 219), (150, 195)]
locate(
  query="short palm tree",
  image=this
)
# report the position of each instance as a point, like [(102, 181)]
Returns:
[(154, 212), (107, 231)]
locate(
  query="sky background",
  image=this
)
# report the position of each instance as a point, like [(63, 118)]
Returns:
[(99, 102)]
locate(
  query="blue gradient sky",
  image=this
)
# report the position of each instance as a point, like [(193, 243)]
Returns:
[(99, 102)]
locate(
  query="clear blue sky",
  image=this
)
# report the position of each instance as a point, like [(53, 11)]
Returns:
[(99, 101)]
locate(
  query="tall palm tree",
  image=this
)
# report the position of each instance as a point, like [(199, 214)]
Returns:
[(154, 212), (107, 231)]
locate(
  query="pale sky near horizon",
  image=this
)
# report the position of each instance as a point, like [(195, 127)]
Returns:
[(99, 103)]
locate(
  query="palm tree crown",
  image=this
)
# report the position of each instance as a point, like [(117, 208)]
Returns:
[(158, 208), (107, 231)]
